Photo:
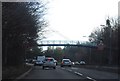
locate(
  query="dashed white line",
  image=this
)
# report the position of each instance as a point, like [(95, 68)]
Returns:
[(74, 68), (63, 68), (69, 70), (76, 72), (80, 74), (90, 78)]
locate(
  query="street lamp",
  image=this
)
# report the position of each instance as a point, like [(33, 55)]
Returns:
[(109, 26), (89, 51)]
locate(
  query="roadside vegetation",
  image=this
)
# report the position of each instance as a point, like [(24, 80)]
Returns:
[(23, 23)]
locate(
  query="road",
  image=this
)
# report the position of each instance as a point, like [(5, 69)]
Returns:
[(69, 73)]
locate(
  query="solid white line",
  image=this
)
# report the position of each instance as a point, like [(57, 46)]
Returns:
[(23, 75)]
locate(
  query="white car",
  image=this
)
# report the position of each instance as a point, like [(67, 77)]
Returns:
[(49, 62), (66, 62), (56, 62), (82, 63), (76, 63), (73, 63)]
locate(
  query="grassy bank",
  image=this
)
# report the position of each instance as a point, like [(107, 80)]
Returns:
[(113, 69), (12, 72)]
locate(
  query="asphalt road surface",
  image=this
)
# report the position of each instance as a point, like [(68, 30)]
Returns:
[(69, 73)]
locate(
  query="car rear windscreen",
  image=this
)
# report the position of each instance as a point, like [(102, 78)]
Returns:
[(66, 60)]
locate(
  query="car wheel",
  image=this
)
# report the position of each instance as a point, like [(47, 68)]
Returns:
[(43, 67), (54, 67)]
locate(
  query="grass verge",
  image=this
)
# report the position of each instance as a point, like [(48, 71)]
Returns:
[(12, 72)]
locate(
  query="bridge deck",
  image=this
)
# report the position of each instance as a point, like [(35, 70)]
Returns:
[(67, 45)]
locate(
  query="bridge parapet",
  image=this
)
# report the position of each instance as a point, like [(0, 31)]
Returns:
[(61, 42), (65, 43)]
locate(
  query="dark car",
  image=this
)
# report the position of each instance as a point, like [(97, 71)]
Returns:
[(66, 62), (39, 63)]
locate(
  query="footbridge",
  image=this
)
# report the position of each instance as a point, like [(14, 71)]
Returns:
[(67, 43)]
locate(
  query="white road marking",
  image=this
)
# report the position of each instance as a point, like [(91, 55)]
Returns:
[(75, 72), (74, 68), (80, 74), (69, 70), (90, 78), (63, 68)]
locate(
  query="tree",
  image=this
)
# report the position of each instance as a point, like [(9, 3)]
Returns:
[(22, 22), (33, 52), (56, 53), (103, 34)]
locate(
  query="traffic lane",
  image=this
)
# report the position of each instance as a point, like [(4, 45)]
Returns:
[(49, 73), (94, 74)]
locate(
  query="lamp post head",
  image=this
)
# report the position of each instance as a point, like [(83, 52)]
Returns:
[(108, 22)]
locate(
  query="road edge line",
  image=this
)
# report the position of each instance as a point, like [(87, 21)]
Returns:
[(23, 75)]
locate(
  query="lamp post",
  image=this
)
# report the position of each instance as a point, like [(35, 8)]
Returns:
[(90, 55), (110, 36), (109, 25)]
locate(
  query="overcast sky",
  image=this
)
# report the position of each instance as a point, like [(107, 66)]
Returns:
[(73, 19)]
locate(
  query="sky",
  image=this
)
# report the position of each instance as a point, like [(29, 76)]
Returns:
[(76, 19)]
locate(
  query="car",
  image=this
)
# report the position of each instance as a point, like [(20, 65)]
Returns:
[(33, 61), (66, 62), (82, 63), (73, 63), (76, 63), (56, 62), (29, 61), (49, 62), (38, 62)]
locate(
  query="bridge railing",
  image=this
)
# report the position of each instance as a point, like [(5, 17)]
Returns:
[(72, 42)]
